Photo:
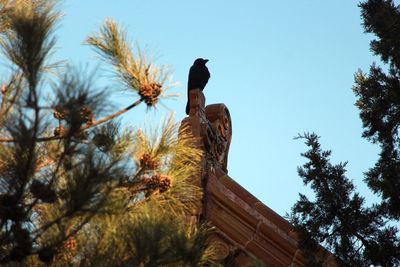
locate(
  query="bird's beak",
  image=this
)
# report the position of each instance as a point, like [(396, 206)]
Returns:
[(205, 60)]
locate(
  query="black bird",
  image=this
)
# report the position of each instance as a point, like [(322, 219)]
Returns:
[(198, 77)]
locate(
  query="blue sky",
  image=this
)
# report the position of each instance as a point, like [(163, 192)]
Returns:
[(281, 67)]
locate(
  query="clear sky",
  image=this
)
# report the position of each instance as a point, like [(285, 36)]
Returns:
[(281, 67)]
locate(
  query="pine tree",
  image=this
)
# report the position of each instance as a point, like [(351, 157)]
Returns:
[(79, 190), (379, 100), (338, 218)]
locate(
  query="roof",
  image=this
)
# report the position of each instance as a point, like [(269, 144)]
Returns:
[(246, 229)]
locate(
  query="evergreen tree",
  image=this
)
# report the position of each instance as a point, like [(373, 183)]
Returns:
[(78, 190), (338, 218), (379, 100)]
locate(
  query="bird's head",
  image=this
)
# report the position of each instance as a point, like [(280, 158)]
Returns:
[(200, 62)]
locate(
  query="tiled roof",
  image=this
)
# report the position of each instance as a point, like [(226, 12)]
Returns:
[(245, 227)]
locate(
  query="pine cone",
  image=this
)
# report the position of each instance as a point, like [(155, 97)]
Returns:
[(150, 93), (153, 182), (165, 183), (70, 244), (60, 113), (87, 115), (147, 162), (160, 182)]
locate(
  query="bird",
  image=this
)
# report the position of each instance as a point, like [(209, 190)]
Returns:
[(198, 78)]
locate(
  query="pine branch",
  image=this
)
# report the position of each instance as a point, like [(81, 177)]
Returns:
[(135, 72), (83, 177), (103, 120), (116, 114)]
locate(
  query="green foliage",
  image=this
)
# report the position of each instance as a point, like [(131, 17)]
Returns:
[(382, 18), (77, 190), (338, 218), (379, 100), (154, 238), (137, 73), (28, 40)]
